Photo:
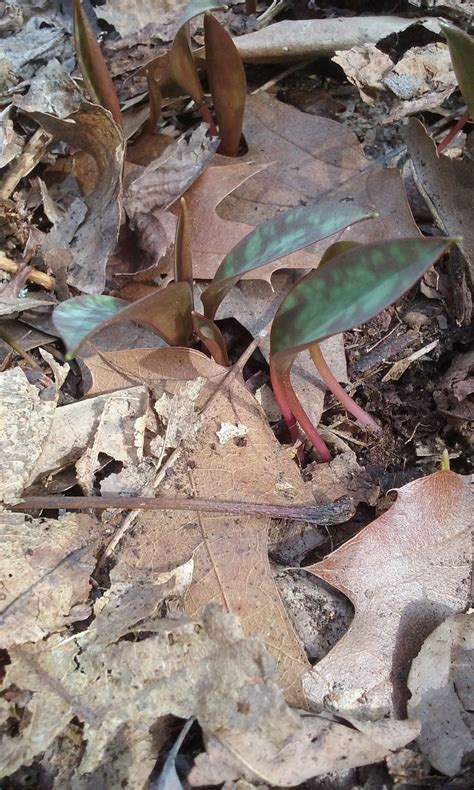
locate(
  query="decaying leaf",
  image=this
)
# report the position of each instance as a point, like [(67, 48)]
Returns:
[(446, 185), (404, 573), (93, 239), (10, 142), (45, 566), (128, 16), (312, 159), (422, 79), (38, 41), (320, 746), (440, 682), (26, 416), (154, 188), (51, 90), (119, 689), (230, 553)]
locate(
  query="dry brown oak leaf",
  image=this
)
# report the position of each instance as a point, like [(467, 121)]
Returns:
[(293, 159), (405, 573), (231, 564)]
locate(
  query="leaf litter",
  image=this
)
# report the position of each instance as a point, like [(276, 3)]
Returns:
[(116, 622)]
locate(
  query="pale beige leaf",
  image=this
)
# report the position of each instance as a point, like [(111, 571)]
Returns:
[(128, 16), (119, 434), (26, 416), (45, 565), (404, 573), (319, 747), (10, 142), (442, 697), (51, 90)]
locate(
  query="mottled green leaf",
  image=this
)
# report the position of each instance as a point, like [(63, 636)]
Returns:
[(93, 66), (183, 262), (350, 290), (196, 7), (167, 312), (461, 48), (211, 337), (227, 82), (281, 235)]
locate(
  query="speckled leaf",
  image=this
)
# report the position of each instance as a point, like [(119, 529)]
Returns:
[(92, 64), (461, 48), (197, 7), (167, 312), (227, 82), (281, 235), (350, 290)]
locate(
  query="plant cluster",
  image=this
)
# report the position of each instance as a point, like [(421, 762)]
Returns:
[(352, 284)]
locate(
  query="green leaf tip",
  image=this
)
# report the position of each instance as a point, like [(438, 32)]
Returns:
[(283, 234)]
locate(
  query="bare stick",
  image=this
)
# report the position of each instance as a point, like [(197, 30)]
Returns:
[(335, 513)]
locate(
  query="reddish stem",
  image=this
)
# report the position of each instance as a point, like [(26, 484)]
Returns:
[(453, 132), (286, 412), (349, 404), (292, 409), (207, 118)]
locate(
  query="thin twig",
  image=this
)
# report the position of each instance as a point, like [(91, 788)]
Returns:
[(314, 514), (40, 278)]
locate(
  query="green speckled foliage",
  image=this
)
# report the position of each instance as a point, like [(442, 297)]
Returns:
[(350, 289), (280, 236)]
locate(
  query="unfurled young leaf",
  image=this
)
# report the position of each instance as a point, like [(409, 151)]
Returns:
[(461, 48), (93, 66), (211, 337), (183, 264), (184, 72), (281, 235), (344, 292), (183, 67), (227, 82), (167, 312), (155, 99)]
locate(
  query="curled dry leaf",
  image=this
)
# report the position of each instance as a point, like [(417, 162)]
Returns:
[(92, 129), (440, 682), (311, 159), (311, 38), (404, 573), (46, 564), (446, 185), (38, 41)]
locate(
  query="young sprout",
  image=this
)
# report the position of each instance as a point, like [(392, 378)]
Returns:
[(92, 64)]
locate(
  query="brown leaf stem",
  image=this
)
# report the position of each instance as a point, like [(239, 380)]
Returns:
[(335, 513)]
